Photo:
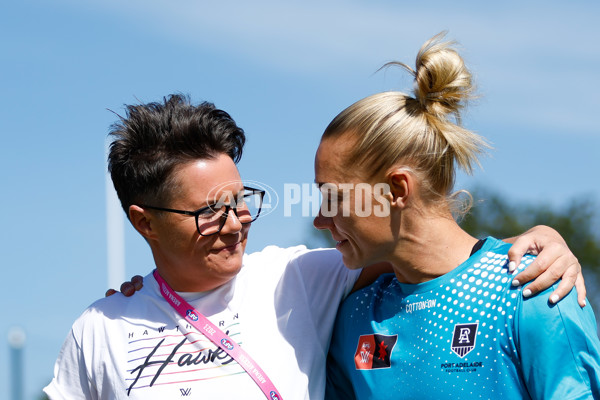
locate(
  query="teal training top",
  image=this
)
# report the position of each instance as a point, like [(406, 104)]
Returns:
[(468, 334)]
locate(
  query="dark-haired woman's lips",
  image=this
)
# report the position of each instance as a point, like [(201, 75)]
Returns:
[(231, 248)]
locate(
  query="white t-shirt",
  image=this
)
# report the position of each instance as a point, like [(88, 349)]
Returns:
[(280, 308)]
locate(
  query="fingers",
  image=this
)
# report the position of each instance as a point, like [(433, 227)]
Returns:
[(138, 282), (544, 280), (515, 253), (540, 265), (554, 262), (535, 241), (128, 289), (581, 292), (523, 245), (565, 285), (565, 268)]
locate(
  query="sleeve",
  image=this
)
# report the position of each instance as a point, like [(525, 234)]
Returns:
[(325, 276), (319, 280), (558, 347), (71, 380)]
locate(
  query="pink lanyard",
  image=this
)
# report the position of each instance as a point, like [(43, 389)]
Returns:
[(218, 337)]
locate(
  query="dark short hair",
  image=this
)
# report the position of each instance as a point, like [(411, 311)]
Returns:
[(153, 139)]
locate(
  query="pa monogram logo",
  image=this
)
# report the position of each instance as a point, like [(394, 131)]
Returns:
[(463, 338)]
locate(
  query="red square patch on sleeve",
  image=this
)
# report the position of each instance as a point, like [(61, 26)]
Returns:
[(374, 351)]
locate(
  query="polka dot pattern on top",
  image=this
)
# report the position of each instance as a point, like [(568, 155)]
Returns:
[(451, 336)]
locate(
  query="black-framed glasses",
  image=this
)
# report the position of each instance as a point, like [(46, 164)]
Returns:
[(246, 206)]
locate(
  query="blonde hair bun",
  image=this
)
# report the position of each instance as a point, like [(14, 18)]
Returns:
[(443, 84), (423, 132)]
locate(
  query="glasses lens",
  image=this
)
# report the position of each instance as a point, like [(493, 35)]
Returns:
[(247, 205), (249, 208), (209, 220)]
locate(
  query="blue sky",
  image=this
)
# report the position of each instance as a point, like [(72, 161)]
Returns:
[(283, 70)]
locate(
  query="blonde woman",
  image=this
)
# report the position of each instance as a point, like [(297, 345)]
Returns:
[(449, 322)]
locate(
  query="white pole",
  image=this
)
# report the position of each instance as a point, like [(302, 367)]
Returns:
[(16, 341), (115, 236)]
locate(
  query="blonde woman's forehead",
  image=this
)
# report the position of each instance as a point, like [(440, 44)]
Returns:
[(331, 164)]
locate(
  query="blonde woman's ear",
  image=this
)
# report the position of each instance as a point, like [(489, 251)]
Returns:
[(401, 186)]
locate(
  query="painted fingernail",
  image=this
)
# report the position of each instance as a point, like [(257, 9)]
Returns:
[(511, 266), (526, 293), (584, 303), (554, 298), (515, 282)]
